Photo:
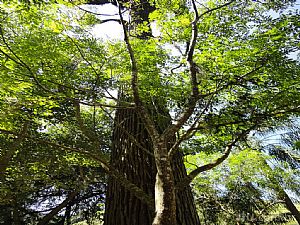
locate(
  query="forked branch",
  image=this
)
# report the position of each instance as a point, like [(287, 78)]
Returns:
[(194, 97), (191, 176), (149, 123)]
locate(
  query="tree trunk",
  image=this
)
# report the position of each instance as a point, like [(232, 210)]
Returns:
[(132, 154), (281, 193), (16, 215), (46, 219), (68, 213), (291, 206), (165, 203), (122, 207)]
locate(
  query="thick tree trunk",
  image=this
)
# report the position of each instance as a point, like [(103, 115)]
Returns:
[(186, 213), (122, 207), (132, 154)]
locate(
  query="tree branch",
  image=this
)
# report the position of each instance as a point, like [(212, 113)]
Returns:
[(191, 176), (20, 62), (45, 220), (7, 156), (92, 136), (90, 64), (137, 191), (216, 8), (194, 97), (189, 132), (171, 130), (149, 124), (97, 104), (134, 140)]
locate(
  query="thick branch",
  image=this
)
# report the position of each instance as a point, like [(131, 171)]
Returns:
[(171, 130), (194, 97), (97, 104), (190, 132), (192, 175), (149, 124)]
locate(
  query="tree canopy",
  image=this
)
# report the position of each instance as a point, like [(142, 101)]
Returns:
[(205, 78)]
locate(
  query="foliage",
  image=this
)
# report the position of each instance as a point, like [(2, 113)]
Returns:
[(57, 98), (240, 190)]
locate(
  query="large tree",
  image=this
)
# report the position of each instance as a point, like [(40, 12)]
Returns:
[(132, 147), (215, 72)]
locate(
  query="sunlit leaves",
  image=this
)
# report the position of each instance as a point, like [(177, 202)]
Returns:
[(239, 188), (246, 77)]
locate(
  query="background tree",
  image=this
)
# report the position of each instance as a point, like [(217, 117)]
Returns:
[(286, 155), (241, 191)]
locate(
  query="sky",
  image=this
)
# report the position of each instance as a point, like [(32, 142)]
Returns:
[(108, 30), (113, 30)]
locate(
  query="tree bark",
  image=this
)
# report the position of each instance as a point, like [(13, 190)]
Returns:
[(165, 203), (121, 206), (133, 155), (291, 206)]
